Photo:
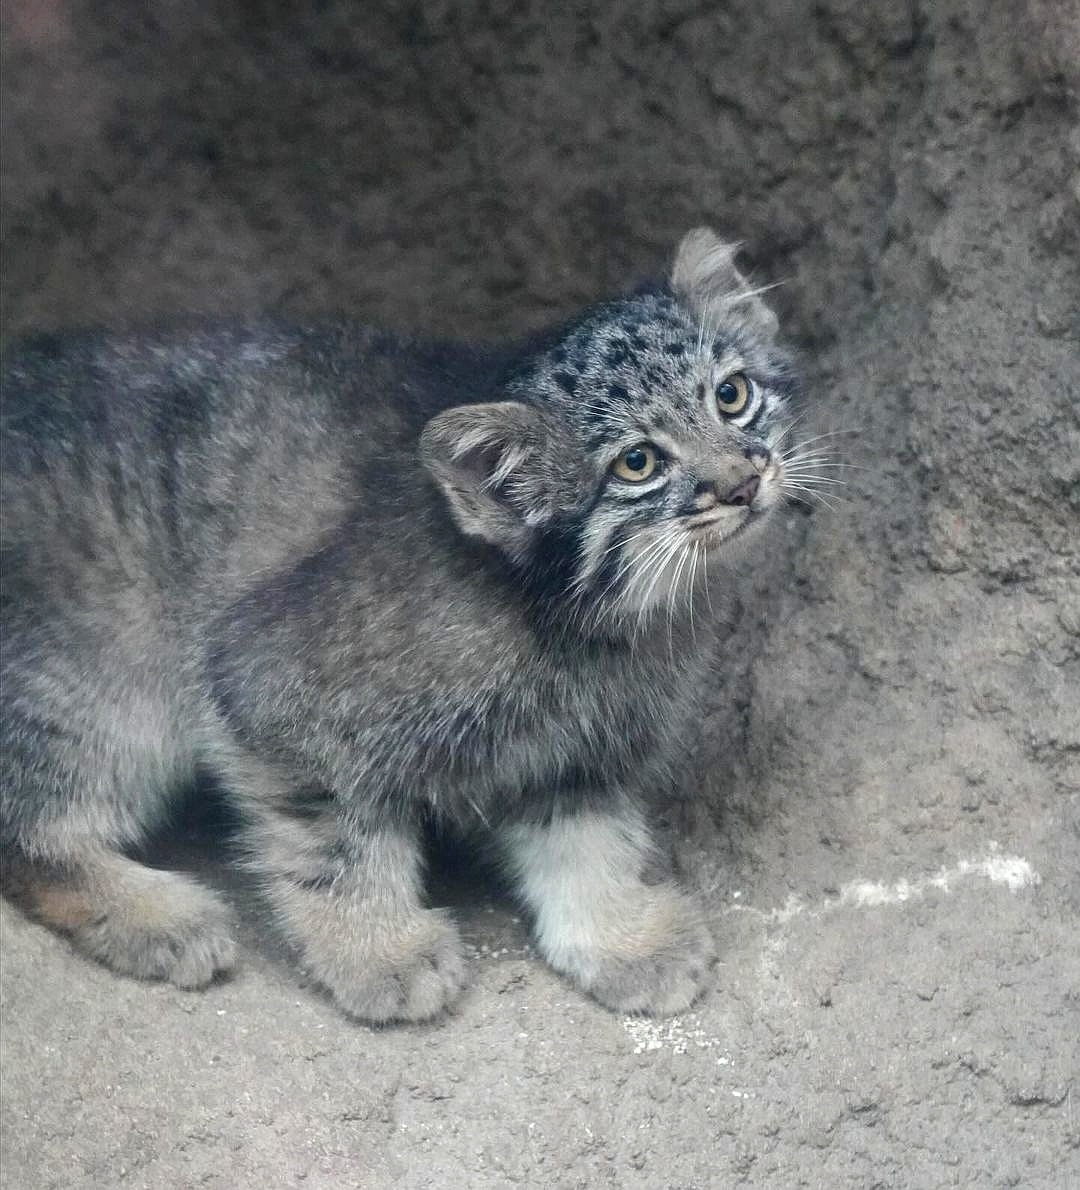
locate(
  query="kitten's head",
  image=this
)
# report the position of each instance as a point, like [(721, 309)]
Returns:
[(646, 436)]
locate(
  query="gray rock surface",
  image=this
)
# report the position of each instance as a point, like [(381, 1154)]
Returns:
[(884, 814)]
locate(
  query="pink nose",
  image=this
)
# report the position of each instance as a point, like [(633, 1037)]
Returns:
[(743, 493)]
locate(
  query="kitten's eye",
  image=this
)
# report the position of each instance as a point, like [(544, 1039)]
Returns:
[(636, 464), (733, 394)]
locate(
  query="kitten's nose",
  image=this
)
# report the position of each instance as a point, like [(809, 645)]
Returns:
[(743, 492)]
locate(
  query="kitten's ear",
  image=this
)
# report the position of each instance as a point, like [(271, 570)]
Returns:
[(704, 276), (490, 461)]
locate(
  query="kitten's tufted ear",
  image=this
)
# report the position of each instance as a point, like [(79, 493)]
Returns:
[(704, 276), (491, 462)]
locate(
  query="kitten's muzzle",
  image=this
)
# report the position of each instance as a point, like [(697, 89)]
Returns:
[(743, 493), (739, 486), (739, 494)]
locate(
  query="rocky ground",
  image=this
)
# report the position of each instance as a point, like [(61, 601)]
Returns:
[(884, 814)]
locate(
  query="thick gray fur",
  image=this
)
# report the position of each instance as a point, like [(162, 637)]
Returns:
[(370, 582)]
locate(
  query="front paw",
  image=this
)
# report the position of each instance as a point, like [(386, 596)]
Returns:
[(653, 958), (400, 970)]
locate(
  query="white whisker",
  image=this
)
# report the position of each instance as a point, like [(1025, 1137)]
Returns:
[(805, 456), (811, 475), (828, 463), (658, 570), (828, 434), (702, 329), (583, 579), (708, 592), (693, 575), (778, 440), (673, 595), (744, 295), (829, 501), (628, 564)]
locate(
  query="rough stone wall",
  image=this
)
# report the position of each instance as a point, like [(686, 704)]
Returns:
[(894, 750)]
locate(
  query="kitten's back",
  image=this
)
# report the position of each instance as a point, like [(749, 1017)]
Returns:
[(193, 461)]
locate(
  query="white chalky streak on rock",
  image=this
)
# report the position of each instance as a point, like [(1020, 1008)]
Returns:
[(1010, 870)]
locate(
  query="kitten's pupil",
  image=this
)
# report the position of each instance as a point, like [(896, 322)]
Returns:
[(636, 460), (727, 393)]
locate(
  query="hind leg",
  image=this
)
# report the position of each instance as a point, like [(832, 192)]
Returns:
[(134, 919), (71, 802)]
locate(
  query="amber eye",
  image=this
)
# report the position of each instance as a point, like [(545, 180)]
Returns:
[(636, 464), (733, 394)]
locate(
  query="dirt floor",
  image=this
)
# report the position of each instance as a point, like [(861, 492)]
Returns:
[(884, 814)]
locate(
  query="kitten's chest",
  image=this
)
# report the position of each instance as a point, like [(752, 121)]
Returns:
[(578, 730)]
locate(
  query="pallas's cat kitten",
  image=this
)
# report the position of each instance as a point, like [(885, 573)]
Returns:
[(370, 583)]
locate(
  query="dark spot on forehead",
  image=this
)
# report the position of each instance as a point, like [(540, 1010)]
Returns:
[(675, 349), (719, 349), (618, 393), (565, 381), (617, 352)]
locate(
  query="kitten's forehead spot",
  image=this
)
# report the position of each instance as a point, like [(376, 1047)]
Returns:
[(642, 369)]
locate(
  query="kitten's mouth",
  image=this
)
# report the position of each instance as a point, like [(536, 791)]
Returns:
[(718, 528)]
